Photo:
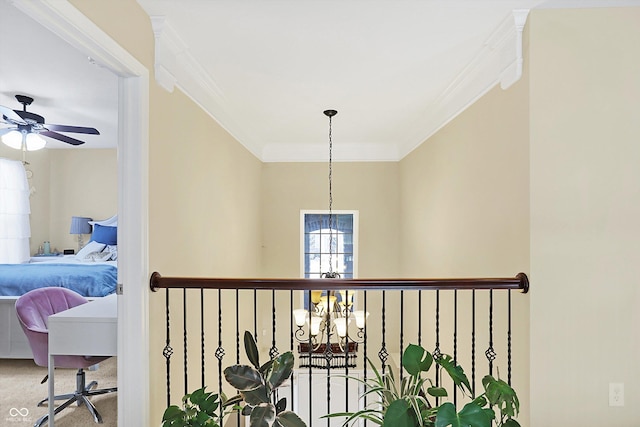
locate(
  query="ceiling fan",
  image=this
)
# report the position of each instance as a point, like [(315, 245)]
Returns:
[(25, 127)]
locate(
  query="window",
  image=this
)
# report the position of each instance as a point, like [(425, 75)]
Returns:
[(14, 213), (323, 246)]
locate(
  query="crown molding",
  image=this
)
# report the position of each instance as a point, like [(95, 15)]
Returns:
[(175, 66), (498, 62), (343, 152)]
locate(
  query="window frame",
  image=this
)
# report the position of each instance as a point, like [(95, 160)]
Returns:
[(356, 226)]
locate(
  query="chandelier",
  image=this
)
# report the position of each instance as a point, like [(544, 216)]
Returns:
[(323, 330)]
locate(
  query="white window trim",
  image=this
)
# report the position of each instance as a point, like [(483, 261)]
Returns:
[(356, 231)]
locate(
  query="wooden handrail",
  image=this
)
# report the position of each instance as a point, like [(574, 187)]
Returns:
[(520, 282)]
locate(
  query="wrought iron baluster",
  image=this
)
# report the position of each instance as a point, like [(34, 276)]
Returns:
[(237, 329), (509, 338), (383, 354), (184, 338), (328, 353), (436, 351), (473, 342), (220, 350), (273, 351), (490, 353), (310, 362), (202, 349), (401, 333), (292, 396), (255, 315), (455, 339), (420, 317), (167, 351), (346, 355), (364, 364)]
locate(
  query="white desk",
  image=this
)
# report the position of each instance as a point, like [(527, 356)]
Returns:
[(89, 329)]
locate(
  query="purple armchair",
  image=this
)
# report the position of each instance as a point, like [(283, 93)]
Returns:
[(33, 310)]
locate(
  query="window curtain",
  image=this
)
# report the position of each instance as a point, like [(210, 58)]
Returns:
[(14, 213)]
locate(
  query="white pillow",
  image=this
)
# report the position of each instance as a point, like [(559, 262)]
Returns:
[(92, 246), (98, 256), (113, 250), (110, 222)]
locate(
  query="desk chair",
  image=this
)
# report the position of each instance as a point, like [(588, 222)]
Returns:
[(33, 310)]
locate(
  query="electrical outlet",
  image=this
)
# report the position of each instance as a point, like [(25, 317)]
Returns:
[(616, 394)]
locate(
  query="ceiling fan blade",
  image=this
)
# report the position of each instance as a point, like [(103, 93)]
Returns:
[(11, 115), (60, 137), (75, 129)]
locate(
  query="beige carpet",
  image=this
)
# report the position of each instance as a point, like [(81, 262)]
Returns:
[(20, 391)]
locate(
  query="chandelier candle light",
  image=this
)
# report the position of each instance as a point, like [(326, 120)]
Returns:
[(326, 342)]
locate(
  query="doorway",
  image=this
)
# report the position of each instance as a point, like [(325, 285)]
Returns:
[(64, 20)]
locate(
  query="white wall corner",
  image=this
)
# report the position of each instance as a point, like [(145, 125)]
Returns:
[(165, 47), (498, 61), (513, 71)]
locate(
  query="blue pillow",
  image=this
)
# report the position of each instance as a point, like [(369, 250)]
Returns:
[(104, 234)]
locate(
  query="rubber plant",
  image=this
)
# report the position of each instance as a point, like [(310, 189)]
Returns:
[(411, 403), (199, 409), (258, 384)]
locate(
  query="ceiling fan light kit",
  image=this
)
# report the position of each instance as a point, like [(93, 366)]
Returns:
[(26, 127)]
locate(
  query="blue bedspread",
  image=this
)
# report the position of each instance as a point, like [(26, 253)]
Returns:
[(89, 280)]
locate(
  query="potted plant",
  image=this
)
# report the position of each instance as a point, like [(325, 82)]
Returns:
[(411, 403), (257, 386), (199, 409)]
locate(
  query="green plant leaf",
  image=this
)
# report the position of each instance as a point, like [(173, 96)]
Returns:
[(243, 377), (262, 415), (416, 359), (281, 370), (400, 414), (281, 405), (500, 394), (288, 419), (173, 412), (256, 396), (471, 415), (266, 367), (437, 391), (455, 371), (251, 349)]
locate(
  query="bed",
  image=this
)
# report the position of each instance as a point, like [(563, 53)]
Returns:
[(92, 273)]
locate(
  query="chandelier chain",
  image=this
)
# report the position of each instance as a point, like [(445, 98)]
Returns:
[(330, 201)]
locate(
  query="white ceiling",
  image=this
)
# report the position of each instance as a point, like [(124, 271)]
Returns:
[(66, 87), (396, 70)]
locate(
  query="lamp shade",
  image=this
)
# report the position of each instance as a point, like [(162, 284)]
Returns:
[(12, 139), (80, 225), (16, 139)]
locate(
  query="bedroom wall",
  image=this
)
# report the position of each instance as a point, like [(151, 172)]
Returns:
[(83, 182), (585, 205), (465, 213)]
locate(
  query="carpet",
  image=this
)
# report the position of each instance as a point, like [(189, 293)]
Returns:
[(20, 391)]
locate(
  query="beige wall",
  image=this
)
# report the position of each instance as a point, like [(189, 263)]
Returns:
[(83, 182), (465, 213), (370, 188), (585, 205)]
